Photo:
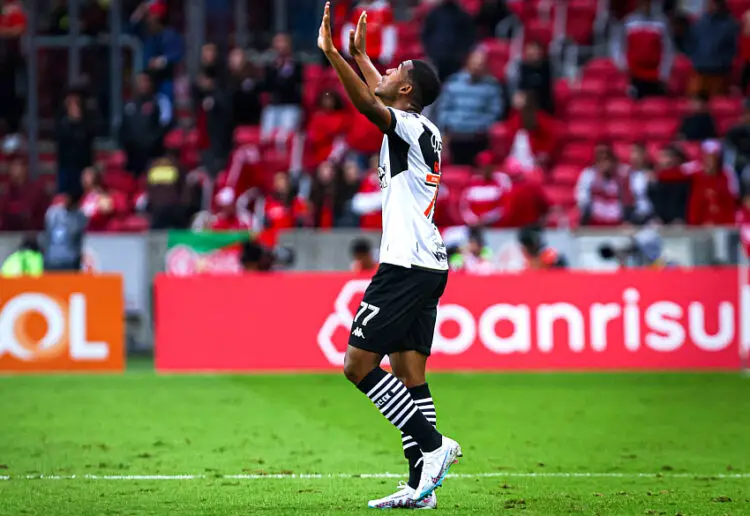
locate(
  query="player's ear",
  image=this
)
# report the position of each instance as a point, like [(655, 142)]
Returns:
[(406, 88)]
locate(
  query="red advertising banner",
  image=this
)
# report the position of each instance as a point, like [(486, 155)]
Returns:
[(631, 319)]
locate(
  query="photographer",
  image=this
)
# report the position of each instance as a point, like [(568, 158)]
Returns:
[(256, 258), (536, 252), (645, 249)]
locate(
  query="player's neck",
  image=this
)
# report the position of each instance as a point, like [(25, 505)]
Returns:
[(405, 105)]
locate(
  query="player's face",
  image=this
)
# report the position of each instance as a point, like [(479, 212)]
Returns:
[(393, 82)]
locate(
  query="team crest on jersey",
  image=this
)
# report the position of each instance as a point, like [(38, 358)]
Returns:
[(383, 177)]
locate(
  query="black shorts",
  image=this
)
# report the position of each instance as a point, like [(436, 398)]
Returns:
[(399, 310)]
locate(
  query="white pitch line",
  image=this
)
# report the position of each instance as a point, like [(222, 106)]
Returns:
[(313, 476)]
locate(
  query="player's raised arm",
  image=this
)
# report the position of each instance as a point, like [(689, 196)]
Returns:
[(363, 99), (358, 50)]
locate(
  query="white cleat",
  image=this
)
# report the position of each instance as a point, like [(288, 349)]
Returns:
[(404, 499), (435, 467)]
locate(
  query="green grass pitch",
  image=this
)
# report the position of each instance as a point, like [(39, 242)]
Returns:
[(541, 444)]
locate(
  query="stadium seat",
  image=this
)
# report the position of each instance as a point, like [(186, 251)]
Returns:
[(584, 108), (619, 108), (618, 86), (593, 87), (622, 130), (653, 149), (622, 150), (577, 153), (655, 107), (691, 149), (560, 195), (500, 139), (725, 124), (539, 30), (175, 138), (583, 130), (682, 106), (600, 68), (579, 21), (725, 107), (247, 135), (565, 174), (498, 54), (660, 130)]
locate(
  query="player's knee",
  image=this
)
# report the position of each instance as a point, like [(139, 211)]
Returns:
[(411, 380), (354, 371)]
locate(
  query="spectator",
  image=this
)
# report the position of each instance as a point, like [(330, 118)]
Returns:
[(26, 261), (245, 90), (679, 24), (382, 37), (75, 139), (253, 257), (448, 34), (639, 175), (699, 124), (526, 202), (282, 209), (482, 200), (671, 187), (603, 191), (367, 203), (213, 105), (347, 186), (712, 47), (470, 103), (534, 135), (363, 139), (281, 117), (743, 221), (322, 195), (713, 190), (475, 258), (644, 50), (12, 27), (96, 204), (145, 122), (490, 14), (536, 253), (24, 202), (162, 46), (535, 75), (745, 53), (362, 256), (738, 141), (64, 228), (326, 130), (228, 219), (170, 200)]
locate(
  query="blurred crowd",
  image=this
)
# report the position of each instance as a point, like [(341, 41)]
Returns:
[(655, 131)]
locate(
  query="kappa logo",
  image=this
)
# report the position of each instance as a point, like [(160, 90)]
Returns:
[(358, 332)]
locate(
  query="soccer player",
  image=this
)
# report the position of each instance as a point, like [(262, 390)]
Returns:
[(397, 316)]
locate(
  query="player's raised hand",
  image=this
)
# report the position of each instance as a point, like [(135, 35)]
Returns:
[(325, 39), (357, 38)]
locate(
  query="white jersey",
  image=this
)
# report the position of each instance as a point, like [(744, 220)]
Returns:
[(409, 175)]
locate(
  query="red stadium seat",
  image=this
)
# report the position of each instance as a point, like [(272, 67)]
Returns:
[(500, 139), (498, 54), (655, 107), (682, 106), (538, 30), (618, 86), (584, 108), (247, 135), (725, 124), (653, 149), (691, 149), (738, 7), (579, 21), (725, 107), (175, 139), (593, 87), (622, 130), (562, 94), (566, 174), (619, 108), (660, 130), (577, 153), (583, 130), (600, 68), (622, 150), (560, 195)]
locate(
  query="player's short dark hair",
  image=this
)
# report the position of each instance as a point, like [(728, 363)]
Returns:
[(425, 82)]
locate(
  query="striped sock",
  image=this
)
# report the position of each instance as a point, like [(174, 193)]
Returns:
[(423, 401), (394, 401)]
